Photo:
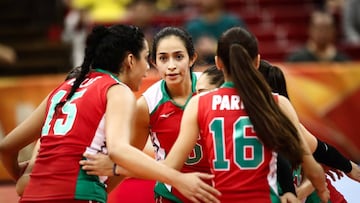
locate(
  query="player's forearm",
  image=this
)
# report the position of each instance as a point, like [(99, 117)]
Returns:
[(305, 189), (11, 165), (328, 155), (314, 172), (136, 162)]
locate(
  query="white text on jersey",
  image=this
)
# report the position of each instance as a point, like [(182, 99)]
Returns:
[(226, 102)]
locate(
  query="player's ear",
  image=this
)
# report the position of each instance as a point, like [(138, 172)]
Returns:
[(257, 62), (219, 64)]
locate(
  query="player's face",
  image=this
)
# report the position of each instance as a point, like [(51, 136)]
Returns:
[(203, 84), (141, 66), (172, 60)]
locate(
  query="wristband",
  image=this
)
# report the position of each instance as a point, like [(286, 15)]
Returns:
[(329, 156), (114, 170)]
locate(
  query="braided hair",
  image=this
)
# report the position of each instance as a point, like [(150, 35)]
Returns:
[(106, 48)]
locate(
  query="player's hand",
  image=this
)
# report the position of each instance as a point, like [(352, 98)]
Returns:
[(97, 164), (289, 197), (23, 165), (354, 173), (196, 190), (324, 195), (333, 173)]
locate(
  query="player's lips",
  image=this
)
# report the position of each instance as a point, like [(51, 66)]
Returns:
[(172, 75)]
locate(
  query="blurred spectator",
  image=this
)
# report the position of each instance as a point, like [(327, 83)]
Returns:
[(332, 6), (76, 26), (207, 27), (82, 15), (320, 45), (141, 13), (7, 54), (319, 4), (174, 5), (351, 21), (104, 11), (335, 6)]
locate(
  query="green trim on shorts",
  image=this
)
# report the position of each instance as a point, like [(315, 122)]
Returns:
[(89, 187), (274, 197), (314, 198), (162, 191)]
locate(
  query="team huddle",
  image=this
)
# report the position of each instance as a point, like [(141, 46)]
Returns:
[(225, 135)]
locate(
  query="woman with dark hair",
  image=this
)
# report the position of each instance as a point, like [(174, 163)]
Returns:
[(213, 78), (243, 125), (160, 107), (92, 113), (275, 78), (323, 152), (210, 79)]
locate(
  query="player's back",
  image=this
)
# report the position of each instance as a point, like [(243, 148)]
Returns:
[(77, 127), (244, 169)]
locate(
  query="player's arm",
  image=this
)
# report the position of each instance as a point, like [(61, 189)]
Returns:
[(119, 123), (24, 134), (189, 132), (140, 134), (289, 197), (330, 156), (101, 165), (304, 189), (313, 171), (24, 179)]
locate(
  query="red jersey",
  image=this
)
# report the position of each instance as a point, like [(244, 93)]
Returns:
[(165, 118), (75, 128), (245, 171)]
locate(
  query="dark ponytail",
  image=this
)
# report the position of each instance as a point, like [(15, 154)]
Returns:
[(274, 77), (273, 128), (106, 48)]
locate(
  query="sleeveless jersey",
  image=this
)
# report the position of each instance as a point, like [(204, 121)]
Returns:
[(165, 118), (75, 128), (245, 171)]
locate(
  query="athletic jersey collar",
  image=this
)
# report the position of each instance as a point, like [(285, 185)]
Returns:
[(193, 82), (228, 84), (193, 90), (107, 72)]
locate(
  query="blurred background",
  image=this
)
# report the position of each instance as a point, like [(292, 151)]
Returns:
[(40, 36), (315, 42)]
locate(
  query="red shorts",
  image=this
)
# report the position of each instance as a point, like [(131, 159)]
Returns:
[(133, 190)]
